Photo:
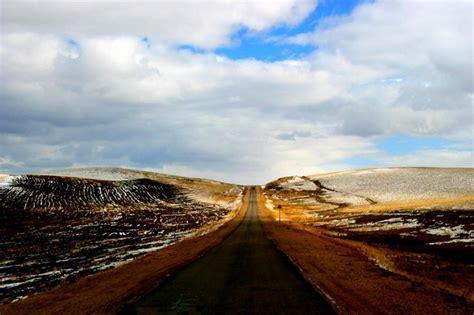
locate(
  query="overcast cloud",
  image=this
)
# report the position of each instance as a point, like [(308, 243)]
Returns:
[(100, 83)]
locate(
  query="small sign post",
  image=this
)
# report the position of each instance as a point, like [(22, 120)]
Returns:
[(279, 213)]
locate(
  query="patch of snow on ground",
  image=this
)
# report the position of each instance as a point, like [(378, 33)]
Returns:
[(207, 197), (237, 202), (341, 222), (451, 231), (6, 180), (388, 224), (458, 240), (345, 198), (403, 184), (99, 173), (468, 206), (391, 220), (299, 184), (269, 204)]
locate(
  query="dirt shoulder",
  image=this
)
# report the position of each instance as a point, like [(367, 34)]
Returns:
[(349, 279), (109, 291)]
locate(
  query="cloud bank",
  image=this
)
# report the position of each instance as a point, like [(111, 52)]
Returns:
[(99, 83)]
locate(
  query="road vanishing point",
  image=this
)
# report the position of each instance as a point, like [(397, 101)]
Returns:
[(244, 274)]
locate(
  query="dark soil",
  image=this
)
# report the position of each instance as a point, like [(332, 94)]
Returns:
[(56, 229)]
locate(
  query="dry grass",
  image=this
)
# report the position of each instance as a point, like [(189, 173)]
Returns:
[(355, 283), (432, 204)]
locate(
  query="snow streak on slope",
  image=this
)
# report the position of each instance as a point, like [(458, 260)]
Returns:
[(402, 184), (50, 192), (55, 229)]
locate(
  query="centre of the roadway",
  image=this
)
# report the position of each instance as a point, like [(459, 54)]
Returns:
[(244, 274)]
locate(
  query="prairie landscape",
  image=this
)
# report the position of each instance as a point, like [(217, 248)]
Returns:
[(366, 241), (236, 157)]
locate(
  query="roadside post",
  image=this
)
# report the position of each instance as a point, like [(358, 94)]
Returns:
[(279, 213)]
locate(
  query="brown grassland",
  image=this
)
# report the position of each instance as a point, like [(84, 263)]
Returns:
[(346, 272)]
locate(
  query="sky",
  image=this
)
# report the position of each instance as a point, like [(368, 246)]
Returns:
[(239, 91)]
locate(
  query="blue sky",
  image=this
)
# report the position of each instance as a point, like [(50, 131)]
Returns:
[(399, 145), (266, 46), (239, 91), (405, 144)]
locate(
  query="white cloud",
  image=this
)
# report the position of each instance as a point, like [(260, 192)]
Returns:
[(206, 24), (5, 161), (391, 67), (122, 69), (426, 46)]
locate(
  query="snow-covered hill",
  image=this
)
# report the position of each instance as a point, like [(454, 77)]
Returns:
[(385, 185)]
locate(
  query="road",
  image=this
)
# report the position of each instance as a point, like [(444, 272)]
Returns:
[(244, 274)]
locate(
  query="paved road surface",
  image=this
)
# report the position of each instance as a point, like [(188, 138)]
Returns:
[(244, 274)]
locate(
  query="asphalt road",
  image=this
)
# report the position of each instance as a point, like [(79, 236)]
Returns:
[(244, 274)]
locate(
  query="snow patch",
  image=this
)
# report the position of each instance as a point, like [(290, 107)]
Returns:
[(269, 204), (340, 222), (451, 231), (402, 184), (6, 180), (299, 184), (386, 225), (458, 240)]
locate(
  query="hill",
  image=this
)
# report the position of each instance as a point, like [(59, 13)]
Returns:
[(417, 223), (63, 224)]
